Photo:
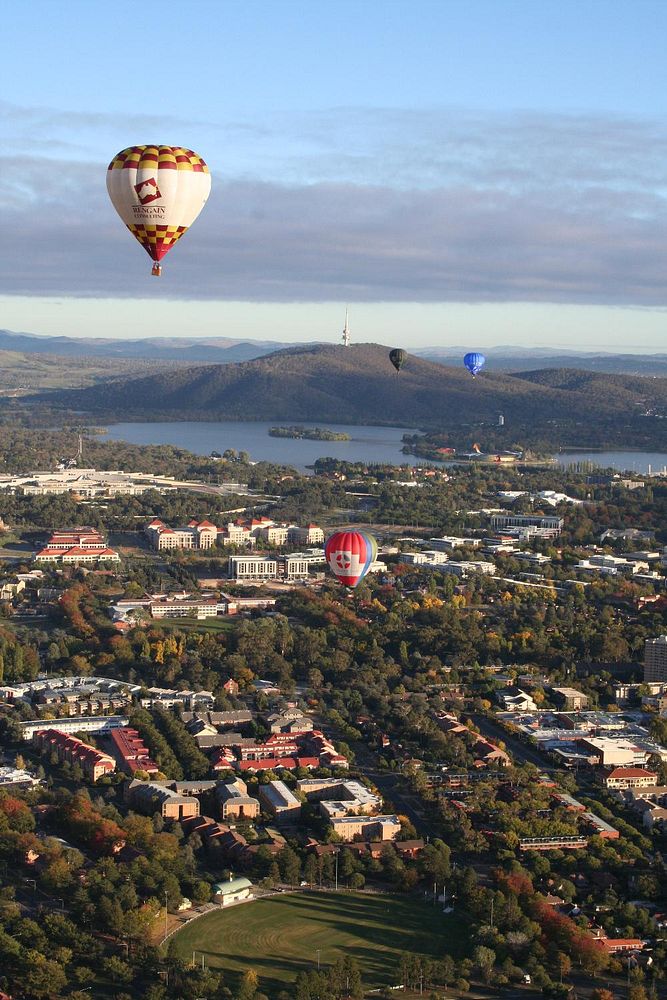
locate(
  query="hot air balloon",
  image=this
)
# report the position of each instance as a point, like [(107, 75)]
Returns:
[(474, 362), (398, 358), (158, 191), (349, 555)]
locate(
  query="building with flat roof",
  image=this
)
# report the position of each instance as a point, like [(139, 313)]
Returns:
[(277, 799), (550, 522), (655, 659), (340, 797), (570, 698), (349, 828), (78, 724), (252, 568)]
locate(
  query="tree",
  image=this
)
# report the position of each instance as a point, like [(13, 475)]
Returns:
[(249, 986), (484, 959)]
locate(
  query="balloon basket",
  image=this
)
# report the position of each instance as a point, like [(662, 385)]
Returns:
[(156, 270)]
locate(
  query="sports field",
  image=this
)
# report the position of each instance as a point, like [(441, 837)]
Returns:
[(279, 937)]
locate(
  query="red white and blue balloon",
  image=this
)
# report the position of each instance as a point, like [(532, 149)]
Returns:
[(350, 555)]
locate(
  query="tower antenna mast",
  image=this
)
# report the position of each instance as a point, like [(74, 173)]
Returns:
[(346, 331)]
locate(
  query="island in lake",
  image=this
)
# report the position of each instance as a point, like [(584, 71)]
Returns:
[(308, 433)]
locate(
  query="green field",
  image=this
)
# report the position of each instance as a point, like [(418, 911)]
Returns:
[(279, 937)]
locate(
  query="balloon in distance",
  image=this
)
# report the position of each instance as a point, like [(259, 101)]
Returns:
[(398, 357), (350, 555), (158, 191), (474, 362)]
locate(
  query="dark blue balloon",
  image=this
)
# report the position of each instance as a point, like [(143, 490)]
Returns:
[(474, 362)]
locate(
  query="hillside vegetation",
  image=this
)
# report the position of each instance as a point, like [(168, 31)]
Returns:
[(358, 385)]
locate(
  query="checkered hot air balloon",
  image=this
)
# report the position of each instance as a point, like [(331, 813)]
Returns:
[(158, 191), (350, 554)]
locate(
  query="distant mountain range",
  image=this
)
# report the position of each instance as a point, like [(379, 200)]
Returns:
[(224, 350), (358, 385), (185, 349)]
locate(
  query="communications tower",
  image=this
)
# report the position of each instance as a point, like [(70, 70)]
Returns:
[(346, 331)]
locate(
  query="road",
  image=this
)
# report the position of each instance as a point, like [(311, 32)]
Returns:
[(520, 750)]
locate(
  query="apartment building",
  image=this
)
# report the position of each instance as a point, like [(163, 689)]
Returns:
[(195, 535), (79, 724), (81, 546), (349, 828), (152, 796), (277, 799), (187, 607), (132, 752), (234, 801), (93, 762), (655, 659)]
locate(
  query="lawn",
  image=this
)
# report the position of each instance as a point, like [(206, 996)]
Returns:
[(279, 937)]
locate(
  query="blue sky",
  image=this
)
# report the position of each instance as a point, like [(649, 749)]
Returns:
[(473, 171)]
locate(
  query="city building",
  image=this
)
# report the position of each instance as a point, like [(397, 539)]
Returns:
[(187, 607), (655, 659), (234, 801), (466, 568), (94, 763), (80, 546), (152, 796), (86, 483), (129, 747), (101, 724), (195, 535), (339, 797), (570, 698), (277, 799), (447, 543), (549, 522), (630, 777), (252, 568), (350, 828), (16, 777)]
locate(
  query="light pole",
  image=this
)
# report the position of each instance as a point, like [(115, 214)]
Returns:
[(337, 852), (318, 959), (166, 913)]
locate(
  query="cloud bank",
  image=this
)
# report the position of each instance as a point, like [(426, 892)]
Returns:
[(355, 205)]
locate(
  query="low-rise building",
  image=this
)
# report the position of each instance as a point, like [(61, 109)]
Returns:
[(252, 568), (350, 828), (234, 801), (133, 754), (194, 535), (81, 546), (630, 777), (153, 796), (93, 762), (277, 799), (101, 724), (233, 891), (340, 797), (570, 698), (447, 543)]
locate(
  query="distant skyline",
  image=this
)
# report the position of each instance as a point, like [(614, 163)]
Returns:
[(492, 171)]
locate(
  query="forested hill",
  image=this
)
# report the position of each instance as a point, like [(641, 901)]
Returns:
[(357, 384)]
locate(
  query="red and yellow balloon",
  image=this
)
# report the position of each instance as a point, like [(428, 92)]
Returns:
[(158, 191)]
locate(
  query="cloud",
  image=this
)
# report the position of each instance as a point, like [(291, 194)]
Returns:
[(362, 205)]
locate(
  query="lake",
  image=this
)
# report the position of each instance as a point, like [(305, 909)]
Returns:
[(367, 444), (630, 461)]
